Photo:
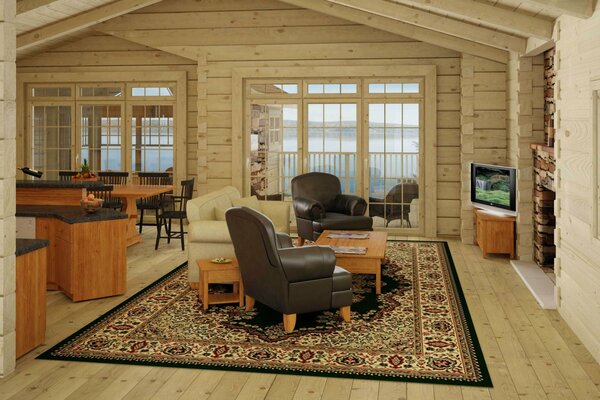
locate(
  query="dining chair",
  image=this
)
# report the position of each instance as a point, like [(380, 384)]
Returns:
[(113, 177), (66, 175), (105, 193), (174, 207), (153, 202)]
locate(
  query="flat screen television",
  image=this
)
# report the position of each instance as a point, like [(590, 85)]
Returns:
[(494, 188)]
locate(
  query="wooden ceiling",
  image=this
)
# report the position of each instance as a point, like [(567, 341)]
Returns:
[(486, 28)]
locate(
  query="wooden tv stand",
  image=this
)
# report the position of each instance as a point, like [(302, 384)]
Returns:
[(494, 233)]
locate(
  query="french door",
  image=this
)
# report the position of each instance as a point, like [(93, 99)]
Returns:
[(370, 138)]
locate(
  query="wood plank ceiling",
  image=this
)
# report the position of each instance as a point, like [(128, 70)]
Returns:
[(486, 28)]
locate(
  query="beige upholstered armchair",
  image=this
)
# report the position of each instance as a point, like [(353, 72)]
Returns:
[(208, 236)]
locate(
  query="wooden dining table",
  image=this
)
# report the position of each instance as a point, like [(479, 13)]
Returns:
[(130, 193)]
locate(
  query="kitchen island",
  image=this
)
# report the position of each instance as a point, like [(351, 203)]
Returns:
[(87, 252), (40, 192)]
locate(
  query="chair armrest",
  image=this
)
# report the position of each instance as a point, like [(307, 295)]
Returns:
[(350, 204), (202, 231), (307, 263), (283, 240), (308, 209)]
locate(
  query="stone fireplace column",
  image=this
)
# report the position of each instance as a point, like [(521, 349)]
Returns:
[(8, 81)]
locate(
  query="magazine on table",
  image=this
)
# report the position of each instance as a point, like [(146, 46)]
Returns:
[(349, 250), (348, 235)]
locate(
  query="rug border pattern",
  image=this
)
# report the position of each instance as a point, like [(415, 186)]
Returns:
[(462, 309)]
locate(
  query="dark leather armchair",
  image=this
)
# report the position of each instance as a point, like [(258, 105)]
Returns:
[(290, 280), (319, 205), (397, 203)]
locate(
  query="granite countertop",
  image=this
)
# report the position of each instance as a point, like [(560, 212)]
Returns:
[(25, 246), (74, 184), (68, 214)]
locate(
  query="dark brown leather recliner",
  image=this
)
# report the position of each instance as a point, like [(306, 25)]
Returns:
[(319, 205), (287, 279)]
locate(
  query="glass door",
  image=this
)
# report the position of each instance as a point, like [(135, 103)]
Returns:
[(331, 141), (52, 138), (100, 128), (274, 147), (394, 143), (152, 133)]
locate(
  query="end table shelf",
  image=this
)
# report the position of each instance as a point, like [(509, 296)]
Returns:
[(220, 273)]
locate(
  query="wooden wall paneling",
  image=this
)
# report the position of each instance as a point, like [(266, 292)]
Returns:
[(467, 149), (483, 126), (578, 246), (349, 46)]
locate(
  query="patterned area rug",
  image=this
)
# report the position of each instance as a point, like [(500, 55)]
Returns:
[(417, 330)]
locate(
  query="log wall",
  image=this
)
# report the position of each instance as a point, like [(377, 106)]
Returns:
[(577, 265)]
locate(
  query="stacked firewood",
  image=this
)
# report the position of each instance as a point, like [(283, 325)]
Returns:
[(544, 194), (549, 107)]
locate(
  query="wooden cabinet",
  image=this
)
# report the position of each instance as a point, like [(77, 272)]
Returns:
[(31, 301), (494, 233), (86, 260)]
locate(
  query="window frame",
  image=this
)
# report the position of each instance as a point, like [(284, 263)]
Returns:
[(595, 116), (29, 115), (256, 96), (160, 77), (364, 70)]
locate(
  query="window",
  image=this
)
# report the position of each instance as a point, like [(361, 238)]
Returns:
[(332, 138), (101, 130), (152, 91), (273, 143), (44, 91), (393, 88), (394, 163), (100, 91), (273, 88), (152, 138), (52, 144), (332, 88), (91, 125)]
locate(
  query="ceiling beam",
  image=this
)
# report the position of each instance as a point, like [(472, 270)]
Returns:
[(576, 8), (438, 23), (403, 29), (78, 22), (486, 14), (24, 6), (536, 46)]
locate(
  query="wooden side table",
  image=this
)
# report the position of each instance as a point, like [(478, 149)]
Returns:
[(494, 233), (220, 273)]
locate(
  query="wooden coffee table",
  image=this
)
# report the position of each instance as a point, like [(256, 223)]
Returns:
[(369, 263), (220, 273)]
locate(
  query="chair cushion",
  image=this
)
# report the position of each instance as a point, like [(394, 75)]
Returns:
[(342, 279), (250, 202), (343, 221)]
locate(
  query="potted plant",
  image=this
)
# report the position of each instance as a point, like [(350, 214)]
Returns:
[(85, 174)]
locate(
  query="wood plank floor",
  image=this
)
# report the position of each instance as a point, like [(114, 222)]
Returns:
[(531, 353)]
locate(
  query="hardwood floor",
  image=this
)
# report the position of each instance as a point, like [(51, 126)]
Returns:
[(531, 353)]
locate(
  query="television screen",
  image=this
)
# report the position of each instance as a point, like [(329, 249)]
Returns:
[(493, 186)]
